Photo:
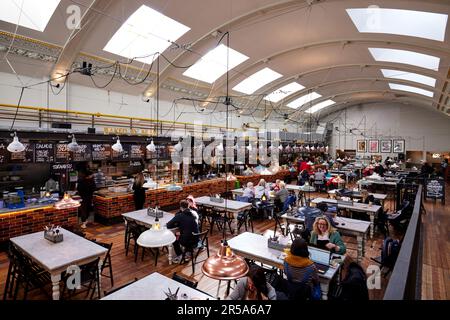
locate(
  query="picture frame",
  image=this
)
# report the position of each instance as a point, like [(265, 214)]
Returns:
[(374, 146), (398, 146), (361, 146), (386, 146)]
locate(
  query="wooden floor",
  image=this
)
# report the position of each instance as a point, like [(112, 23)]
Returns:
[(436, 250), (436, 266)]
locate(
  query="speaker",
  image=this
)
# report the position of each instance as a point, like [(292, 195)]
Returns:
[(91, 130), (401, 156), (61, 125)]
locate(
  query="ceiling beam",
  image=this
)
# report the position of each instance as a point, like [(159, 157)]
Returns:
[(75, 42)]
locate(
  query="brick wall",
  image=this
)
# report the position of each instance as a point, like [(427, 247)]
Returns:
[(26, 221), (110, 209)]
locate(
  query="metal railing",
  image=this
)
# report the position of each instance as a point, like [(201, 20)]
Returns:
[(405, 280)]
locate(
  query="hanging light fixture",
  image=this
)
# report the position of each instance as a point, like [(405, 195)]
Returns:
[(225, 265), (15, 145), (178, 147), (219, 148), (151, 147), (156, 236), (67, 202), (117, 147), (73, 146)]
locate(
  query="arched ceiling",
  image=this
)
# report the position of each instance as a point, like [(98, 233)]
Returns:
[(314, 43)]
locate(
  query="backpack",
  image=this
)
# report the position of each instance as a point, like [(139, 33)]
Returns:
[(353, 287), (389, 252)]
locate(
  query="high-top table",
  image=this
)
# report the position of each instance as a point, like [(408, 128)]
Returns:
[(371, 210), (346, 226), (141, 217), (57, 257), (378, 196), (254, 246), (152, 287)]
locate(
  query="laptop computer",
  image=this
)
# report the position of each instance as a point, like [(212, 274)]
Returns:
[(321, 258)]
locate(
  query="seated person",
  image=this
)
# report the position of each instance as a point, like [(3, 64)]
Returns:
[(303, 177), (281, 196), (276, 187), (326, 237), (249, 191), (261, 189), (319, 175), (184, 220), (193, 207), (253, 287), (297, 265)]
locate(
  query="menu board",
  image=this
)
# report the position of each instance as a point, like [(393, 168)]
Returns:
[(124, 155), (435, 188), (4, 153), (44, 153), (62, 154), (83, 153), (100, 151), (25, 156), (137, 151)]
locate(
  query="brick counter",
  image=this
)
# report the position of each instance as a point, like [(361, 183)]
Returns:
[(13, 224), (109, 209)]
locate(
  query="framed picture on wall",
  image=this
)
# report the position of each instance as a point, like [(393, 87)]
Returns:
[(386, 146), (399, 145), (373, 146), (361, 146)]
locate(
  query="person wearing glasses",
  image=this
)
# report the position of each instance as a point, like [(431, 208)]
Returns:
[(324, 236)]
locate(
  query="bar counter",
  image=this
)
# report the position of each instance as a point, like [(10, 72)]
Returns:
[(33, 219), (109, 206)]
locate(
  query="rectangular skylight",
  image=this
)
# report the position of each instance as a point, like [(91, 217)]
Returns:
[(410, 76), (145, 33), (411, 23), (407, 57), (214, 64), (402, 87), (257, 80), (320, 106), (31, 14), (303, 100), (284, 91)]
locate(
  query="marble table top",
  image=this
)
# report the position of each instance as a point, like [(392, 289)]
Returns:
[(152, 287), (142, 217), (355, 206), (54, 256), (231, 205)]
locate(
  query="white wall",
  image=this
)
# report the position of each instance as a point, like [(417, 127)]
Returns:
[(81, 98), (423, 129)]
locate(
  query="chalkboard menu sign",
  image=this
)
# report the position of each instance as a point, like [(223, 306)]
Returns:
[(4, 153), (124, 155), (101, 151), (62, 154), (44, 153), (25, 156), (137, 151), (83, 153), (435, 188)]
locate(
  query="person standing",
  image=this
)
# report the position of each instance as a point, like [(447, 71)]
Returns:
[(85, 188), (139, 191)]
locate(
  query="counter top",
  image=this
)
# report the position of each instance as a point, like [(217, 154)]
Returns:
[(27, 207)]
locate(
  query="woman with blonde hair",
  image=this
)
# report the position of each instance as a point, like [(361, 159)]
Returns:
[(326, 237)]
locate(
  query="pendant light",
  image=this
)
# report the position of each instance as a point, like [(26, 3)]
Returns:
[(15, 145), (178, 147), (117, 147), (151, 147), (73, 146)]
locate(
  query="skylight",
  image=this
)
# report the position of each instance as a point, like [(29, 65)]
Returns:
[(402, 87), (410, 76), (214, 64), (407, 57), (30, 14), (145, 33), (320, 106), (284, 91), (411, 23), (303, 100), (257, 80)]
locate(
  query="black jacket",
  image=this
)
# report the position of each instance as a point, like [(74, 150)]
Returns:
[(185, 222)]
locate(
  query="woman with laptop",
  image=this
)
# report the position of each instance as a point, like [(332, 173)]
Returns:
[(324, 236)]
